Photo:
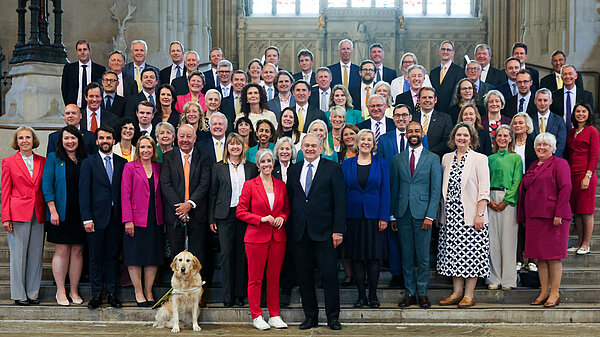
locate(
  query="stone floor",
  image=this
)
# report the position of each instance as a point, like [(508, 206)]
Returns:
[(74, 328)]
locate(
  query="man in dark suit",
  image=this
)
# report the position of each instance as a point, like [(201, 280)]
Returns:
[(416, 187), (416, 77), (133, 70), (445, 77), (231, 105), (177, 69), (306, 60), (321, 93), (185, 182), (144, 116), (523, 101), (382, 73), (546, 121), (100, 205), (94, 116), (126, 86), (210, 76), (512, 66), (437, 125), (473, 72), (361, 93), (316, 227), (489, 74), (111, 101), (224, 71), (563, 100), (148, 93), (72, 116), (283, 83), (345, 72), (378, 123), (191, 64), (306, 113), (77, 75), (519, 50), (214, 145), (269, 72), (553, 81)]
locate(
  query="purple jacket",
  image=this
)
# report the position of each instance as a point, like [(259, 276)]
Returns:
[(135, 194)]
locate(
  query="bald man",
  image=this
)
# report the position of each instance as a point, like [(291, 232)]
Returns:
[(72, 116)]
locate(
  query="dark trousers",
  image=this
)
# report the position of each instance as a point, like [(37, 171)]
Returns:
[(308, 253), (104, 247), (287, 280), (231, 233), (520, 243), (196, 234)]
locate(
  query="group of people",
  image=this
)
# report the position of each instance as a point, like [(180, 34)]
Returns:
[(293, 172)]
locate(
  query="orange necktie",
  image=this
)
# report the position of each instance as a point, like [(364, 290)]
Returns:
[(94, 124), (186, 176), (368, 95)]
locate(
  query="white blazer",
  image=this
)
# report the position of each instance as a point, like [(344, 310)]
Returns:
[(475, 185), (117, 150)]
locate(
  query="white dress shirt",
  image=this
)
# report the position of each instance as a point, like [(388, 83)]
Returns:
[(399, 140), (307, 77), (348, 67), (363, 93), (526, 103), (423, 114), (326, 97), (304, 110), (284, 170), (120, 90), (147, 129), (237, 177), (382, 129), (226, 90), (28, 163), (284, 103), (573, 96), (418, 152), (304, 171), (216, 146), (546, 117), (148, 96), (88, 73), (174, 71), (89, 117), (484, 72)]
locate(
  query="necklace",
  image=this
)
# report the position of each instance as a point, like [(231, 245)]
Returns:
[(521, 143), (579, 131)]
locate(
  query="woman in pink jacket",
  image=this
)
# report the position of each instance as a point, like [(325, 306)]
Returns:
[(143, 219)]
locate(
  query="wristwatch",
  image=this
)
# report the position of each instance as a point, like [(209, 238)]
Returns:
[(480, 214)]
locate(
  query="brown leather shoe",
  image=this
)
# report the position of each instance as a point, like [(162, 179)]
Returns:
[(552, 304), (450, 301), (539, 302), (466, 302)]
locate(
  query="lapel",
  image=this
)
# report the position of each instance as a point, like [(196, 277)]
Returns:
[(156, 174), (422, 159), (21, 165), (545, 166), (37, 168), (469, 166), (261, 191), (138, 168), (193, 164), (318, 175), (100, 165), (179, 165)]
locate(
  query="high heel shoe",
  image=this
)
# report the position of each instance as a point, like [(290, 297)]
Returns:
[(64, 303), (539, 301), (552, 304)]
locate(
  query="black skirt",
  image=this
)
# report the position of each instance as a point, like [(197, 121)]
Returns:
[(364, 241)]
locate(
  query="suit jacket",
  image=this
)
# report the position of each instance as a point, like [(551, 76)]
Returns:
[(512, 106), (484, 88), (207, 146), (106, 118), (89, 140), (129, 71), (172, 184), (314, 99), (70, 81), (312, 114), (356, 94), (181, 85), (389, 125), (21, 193), (558, 100), (495, 76), (387, 147), (254, 205), (444, 90), (275, 104), (549, 82), (129, 87), (549, 195), (338, 78), (388, 76), (505, 90), (117, 106), (165, 73), (438, 133), (418, 194), (554, 125), (132, 104), (210, 82), (406, 99), (98, 196), (228, 109), (535, 77), (220, 189), (300, 76), (475, 184), (135, 194), (323, 211), (54, 185), (374, 200)]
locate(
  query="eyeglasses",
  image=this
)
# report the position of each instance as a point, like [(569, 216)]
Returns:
[(110, 80), (522, 82), (473, 69), (368, 70), (466, 88), (446, 49), (404, 115), (408, 62), (376, 105)]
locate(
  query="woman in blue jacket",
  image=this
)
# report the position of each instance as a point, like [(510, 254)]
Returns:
[(367, 180)]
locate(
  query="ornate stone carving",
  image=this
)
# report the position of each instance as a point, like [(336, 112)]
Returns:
[(119, 42)]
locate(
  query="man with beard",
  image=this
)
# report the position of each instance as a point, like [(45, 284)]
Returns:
[(100, 205), (361, 93), (416, 186), (284, 98)]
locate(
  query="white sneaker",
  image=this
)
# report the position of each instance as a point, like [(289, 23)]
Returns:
[(260, 323), (532, 267), (573, 249), (583, 251), (519, 266), (277, 322)]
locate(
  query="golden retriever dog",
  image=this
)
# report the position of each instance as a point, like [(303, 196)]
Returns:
[(184, 303)]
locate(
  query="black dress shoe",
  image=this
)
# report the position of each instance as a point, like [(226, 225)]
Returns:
[(374, 304), (33, 302), (408, 301), (238, 301), (397, 281), (309, 322), (334, 324), (361, 302), (114, 301), (424, 302), (22, 302), (95, 302), (142, 304), (151, 303), (228, 304)]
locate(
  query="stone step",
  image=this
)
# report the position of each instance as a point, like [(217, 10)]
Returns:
[(591, 260), (572, 275), (594, 241), (5, 271), (388, 313)]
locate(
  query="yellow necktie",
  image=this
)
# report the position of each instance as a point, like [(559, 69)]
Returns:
[(138, 78), (219, 151), (560, 82), (238, 106), (346, 76), (368, 94), (300, 119), (426, 123), (442, 74), (543, 125)]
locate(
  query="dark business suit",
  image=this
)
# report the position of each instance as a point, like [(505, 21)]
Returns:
[(165, 73), (106, 118), (388, 75), (511, 107), (208, 147), (314, 217), (228, 109), (117, 106), (100, 202), (535, 77), (89, 140), (406, 99), (275, 104), (181, 85), (314, 98), (554, 125), (210, 82), (356, 94), (389, 125), (444, 90), (482, 91), (558, 100), (505, 90), (300, 76), (549, 82), (229, 229), (129, 71), (312, 114), (172, 184), (495, 76), (129, 87), (438, 133), (70, 81), (337, 77), (134, 100)]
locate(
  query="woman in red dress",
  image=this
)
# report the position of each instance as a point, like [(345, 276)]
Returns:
[(583, 146)]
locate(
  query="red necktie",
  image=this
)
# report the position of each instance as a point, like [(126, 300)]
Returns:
[(412, 162)]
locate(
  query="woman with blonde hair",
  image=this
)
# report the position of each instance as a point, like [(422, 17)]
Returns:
[(340, 96)]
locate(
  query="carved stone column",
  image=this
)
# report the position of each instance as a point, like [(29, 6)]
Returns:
[(227, 14)]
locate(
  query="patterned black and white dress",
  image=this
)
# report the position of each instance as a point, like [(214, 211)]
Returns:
[(463, 251)]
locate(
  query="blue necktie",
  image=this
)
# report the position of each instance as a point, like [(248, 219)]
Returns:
[(108, 104), (309, 178), (151, 99), (109, 168), (178, 74), (569, 112), (218, 81), (402, 144), (270, 91), (406, 86), (521, 103)]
